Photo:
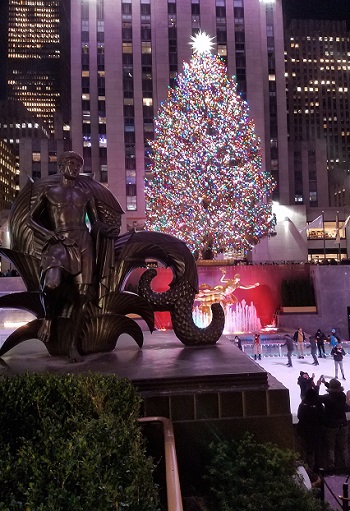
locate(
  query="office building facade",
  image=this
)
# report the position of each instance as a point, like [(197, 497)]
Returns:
[(126, 53), (318, 87), (7, 175), (35, 50)]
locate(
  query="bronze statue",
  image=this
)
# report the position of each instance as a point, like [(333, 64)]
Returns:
[(66, 246), (69, 247)]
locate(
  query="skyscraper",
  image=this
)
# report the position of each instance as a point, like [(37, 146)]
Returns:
[(37, 56), (126, 53), (318, 84)]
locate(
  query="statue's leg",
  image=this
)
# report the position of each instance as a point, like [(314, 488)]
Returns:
[(79, 310), (84, 293), (51, 281)]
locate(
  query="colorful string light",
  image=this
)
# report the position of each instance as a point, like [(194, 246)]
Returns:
[(207, 185)]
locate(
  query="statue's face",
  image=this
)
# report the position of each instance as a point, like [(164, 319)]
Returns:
[(70, 168)]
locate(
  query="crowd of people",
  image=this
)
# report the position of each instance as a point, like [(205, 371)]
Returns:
[(316, 343), (322, 422), (9, 273)]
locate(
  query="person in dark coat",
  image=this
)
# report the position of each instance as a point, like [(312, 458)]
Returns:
[(320, 338), (335, 424), (290, 348), (309, 428), (313, 347), (305, 382), (338, 354)]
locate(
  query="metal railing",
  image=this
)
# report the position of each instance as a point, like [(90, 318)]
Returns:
[(173, 489), (341, 500), (276, 349)]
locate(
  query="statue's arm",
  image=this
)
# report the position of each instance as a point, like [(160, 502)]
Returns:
[(252, 286), (38, 208), (109, 231)]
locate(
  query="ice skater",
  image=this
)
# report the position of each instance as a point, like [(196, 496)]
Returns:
[(338, 355)]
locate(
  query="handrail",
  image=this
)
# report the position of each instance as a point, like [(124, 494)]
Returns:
[(174, 497)]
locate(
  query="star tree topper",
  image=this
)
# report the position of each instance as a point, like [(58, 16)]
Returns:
[(201, 43)]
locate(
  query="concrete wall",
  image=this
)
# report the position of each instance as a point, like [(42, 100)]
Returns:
[(332, 299)]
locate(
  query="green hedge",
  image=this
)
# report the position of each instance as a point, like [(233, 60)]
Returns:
[(245, 475), (72, 443)]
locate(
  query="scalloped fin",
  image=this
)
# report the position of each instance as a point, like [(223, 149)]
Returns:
[(23, 333), (102, 332), (127, 302), (133, 248)]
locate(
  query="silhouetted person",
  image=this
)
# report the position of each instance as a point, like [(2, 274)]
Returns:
[(310, 416), (335, 424), (305, 382)]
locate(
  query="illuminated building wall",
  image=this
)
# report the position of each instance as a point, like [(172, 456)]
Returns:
[(308, 173), (125, 54), (7, 175), (17, 122), (37, 56), (318, 89)]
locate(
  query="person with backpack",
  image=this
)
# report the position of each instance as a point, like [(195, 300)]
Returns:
[(333, 338)]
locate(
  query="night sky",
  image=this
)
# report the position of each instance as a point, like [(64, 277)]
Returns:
[(317, 9)]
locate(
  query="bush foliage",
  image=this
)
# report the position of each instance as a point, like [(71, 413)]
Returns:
[(248, 476), (72, 443)]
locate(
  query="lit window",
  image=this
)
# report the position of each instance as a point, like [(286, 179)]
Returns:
[(131, 203), (146, 47), (127, 47), (222, 50)]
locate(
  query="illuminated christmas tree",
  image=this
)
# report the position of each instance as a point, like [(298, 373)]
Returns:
[(207, 186)]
